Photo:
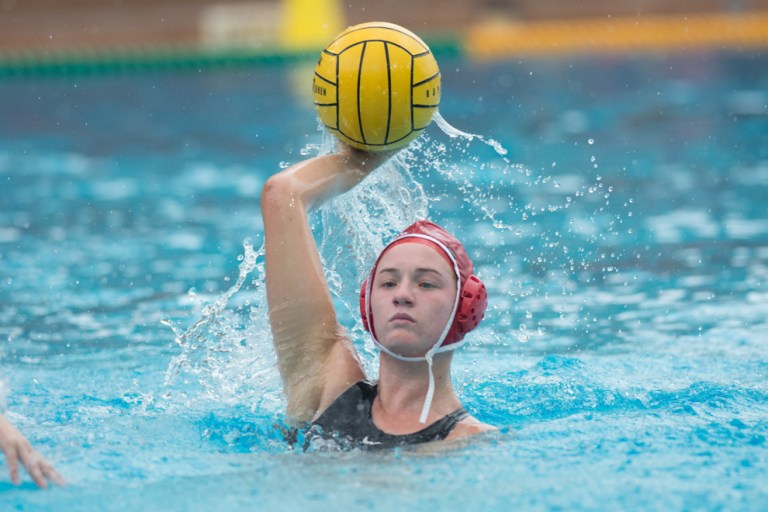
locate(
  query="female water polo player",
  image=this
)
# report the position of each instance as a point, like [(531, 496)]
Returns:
[(419, 300), (17, 449)]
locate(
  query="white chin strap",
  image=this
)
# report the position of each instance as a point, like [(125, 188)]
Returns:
[(436, 348)]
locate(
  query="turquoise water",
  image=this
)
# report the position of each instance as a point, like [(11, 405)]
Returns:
[(623, 238)]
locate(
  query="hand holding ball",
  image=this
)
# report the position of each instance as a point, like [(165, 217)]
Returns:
[(376, 86)]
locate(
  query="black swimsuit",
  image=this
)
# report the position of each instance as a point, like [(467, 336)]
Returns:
[(347, 423)]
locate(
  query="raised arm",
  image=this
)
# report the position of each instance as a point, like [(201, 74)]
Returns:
[(317, 360)]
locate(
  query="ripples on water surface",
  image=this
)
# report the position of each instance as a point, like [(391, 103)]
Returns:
[(623, 237)]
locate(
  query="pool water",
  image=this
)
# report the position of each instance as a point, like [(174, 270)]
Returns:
[(615, 210)]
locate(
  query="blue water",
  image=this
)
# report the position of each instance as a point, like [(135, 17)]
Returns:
[(623, 238)]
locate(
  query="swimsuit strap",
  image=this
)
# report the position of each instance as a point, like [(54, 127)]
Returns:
[(436, 431), (458, 415), (349, 419)]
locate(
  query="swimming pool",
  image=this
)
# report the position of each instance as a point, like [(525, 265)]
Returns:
[(623, 237)]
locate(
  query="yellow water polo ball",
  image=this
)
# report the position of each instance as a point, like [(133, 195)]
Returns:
[(376, 86)]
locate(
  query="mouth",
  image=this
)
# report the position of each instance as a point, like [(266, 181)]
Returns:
[(402, 318)]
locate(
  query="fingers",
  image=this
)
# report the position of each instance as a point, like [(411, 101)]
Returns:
[(53, 476), (17, 449), (36, 472), (366, 159), (13, 466), (38, 468), (43, 472)]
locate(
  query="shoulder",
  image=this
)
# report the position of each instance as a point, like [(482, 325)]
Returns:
[(342, 370), (470, 426), (349, 401)]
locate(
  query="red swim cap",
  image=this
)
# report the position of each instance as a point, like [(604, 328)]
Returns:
[(472, 298)]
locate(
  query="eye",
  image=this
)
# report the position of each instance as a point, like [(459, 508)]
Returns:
[(387, 284), (427, 285)]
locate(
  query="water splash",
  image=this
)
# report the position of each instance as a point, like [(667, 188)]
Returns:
[(561, 222), (353, 228), (464, 169), (454, 132), (224, 350), (228, 350)]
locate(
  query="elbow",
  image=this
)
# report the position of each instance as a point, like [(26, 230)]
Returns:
[(279, 192), (278, 185)]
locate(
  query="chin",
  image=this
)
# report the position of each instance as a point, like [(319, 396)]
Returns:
[(405, 346)]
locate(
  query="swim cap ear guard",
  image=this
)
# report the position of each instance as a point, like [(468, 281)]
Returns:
[(472, 296)]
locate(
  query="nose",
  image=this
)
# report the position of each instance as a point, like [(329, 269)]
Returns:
[(403, 294)]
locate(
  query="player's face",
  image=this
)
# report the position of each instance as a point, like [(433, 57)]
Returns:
[(413, 295)]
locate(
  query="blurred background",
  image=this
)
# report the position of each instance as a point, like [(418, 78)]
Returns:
[(63, 27)]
